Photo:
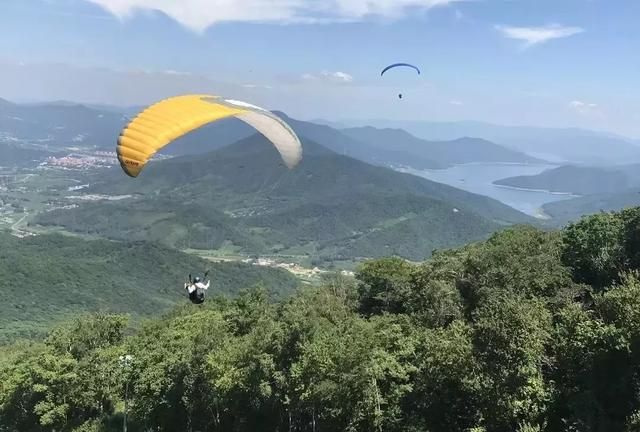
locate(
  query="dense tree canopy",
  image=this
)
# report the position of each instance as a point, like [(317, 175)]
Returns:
[(528, 331)]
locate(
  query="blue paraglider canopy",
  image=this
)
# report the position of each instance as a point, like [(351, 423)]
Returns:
[(395, 65)]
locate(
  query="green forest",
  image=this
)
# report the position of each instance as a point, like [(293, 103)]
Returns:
[(528, 331), (49, 277)]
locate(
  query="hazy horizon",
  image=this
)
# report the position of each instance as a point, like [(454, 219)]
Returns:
[(533, 63)]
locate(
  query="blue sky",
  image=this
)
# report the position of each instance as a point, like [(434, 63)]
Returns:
[(560, 63)]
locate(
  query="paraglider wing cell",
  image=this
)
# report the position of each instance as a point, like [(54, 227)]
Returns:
[(162, 123)]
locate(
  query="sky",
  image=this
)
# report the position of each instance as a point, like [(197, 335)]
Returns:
[(552, 63)]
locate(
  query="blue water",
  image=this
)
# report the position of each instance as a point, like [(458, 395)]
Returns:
[(479, 177)]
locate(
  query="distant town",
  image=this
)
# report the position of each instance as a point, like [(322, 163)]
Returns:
[(291, 267), (98, 159), (85, 160)]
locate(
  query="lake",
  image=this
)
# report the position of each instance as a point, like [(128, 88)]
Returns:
[(479, 177)]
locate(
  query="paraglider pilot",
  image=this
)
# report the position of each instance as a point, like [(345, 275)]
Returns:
[(197, 289)]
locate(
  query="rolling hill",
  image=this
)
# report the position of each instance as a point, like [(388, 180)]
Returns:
[(602, 189), (573, 179), (49, 277), (580, 180), (242, 198), (573, 209)]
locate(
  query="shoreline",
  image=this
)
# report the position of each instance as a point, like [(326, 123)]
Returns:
[(568, 194), (548, 165)]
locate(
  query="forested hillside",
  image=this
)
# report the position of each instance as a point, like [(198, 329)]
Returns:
[(242, 197), (528, 331), (580, 180), (47, 278)]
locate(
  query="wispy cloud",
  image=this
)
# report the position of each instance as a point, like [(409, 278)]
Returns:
[(200, 14), (332, 77), (584, 108), (538, 35), (455, 102), (177, 73), (257, 86)]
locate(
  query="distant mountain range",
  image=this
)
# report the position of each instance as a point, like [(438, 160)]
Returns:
[(59, 125), (64, 124), (557, 145), (446, 153), (396, 147), (242, 198)]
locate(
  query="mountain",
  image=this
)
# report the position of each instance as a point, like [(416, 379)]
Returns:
[(572, 179), (242, 198), (580, 180), (367, 149), (602, 189), (64, 124), (127, 110), (573, 209), (49, 277), (557, 145), (60, 125), (410, 151)]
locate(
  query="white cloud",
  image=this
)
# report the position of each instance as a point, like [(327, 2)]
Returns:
[(175, 72), (456, 102), (340, 76), (257, 86), (332, 77), (200, 14), (580, 105), (538, 35), (584, 108)]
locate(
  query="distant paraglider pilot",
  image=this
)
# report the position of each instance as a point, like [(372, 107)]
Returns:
[(397, 65), (196, 289)]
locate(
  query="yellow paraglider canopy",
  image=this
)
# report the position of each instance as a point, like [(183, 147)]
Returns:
[(162, 123)]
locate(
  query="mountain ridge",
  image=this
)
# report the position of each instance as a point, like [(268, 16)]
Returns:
[(571, 145), (447, 153)]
